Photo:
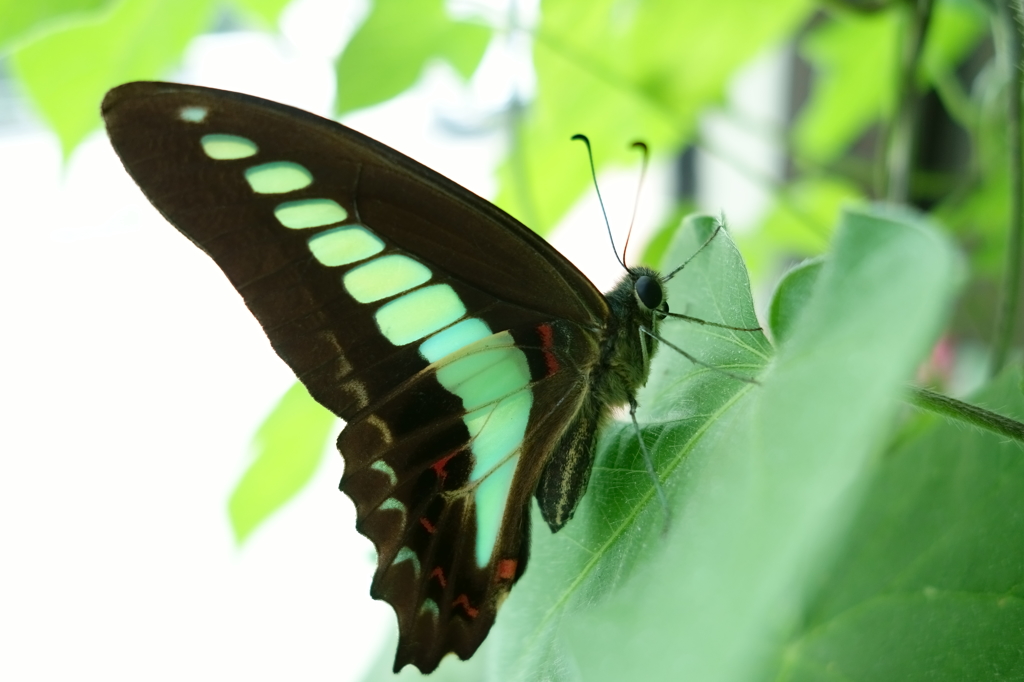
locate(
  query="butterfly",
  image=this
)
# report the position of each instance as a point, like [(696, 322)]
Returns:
[(472, 363)]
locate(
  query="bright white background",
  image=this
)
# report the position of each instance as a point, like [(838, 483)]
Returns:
[(132, 378)]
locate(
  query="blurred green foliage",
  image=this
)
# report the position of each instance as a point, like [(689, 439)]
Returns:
[(376, 65), (819, 531), (287, 449)]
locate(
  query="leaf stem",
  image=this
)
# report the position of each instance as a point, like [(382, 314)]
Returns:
[(1006, 320), (900, 143), (967, 413)]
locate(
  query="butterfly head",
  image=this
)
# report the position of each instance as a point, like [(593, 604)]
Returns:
[(649, 292)]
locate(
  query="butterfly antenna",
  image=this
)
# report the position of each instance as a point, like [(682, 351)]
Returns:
[(636, 202), (593, 174), (649, 463), (721, 224)]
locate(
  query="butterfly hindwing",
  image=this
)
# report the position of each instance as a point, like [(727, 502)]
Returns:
[(462, 539), (454, 341)]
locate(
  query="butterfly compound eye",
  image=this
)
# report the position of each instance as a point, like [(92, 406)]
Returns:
[(648, 290)]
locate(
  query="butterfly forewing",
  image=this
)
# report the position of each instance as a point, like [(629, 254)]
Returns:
[(454, 341)]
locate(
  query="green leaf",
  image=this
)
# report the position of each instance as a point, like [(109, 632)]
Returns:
[(67, 73), (956, 28), (265, 12), (855, 83), (390, 50), (980, 212), (762, 479), (791, 298), (619, 523), (930, 583), (855, 87), (981, 217), (22, 21), (619, 72), (289, 446)]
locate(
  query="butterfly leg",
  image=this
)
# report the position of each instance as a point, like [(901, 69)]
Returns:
[(650, 464), (691, 358)]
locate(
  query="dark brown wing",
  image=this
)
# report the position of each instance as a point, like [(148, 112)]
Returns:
[(375, 279), (416, 497)]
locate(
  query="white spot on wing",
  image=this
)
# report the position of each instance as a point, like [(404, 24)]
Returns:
[(385, 432), (430, 606), (223, 147), (391, 504), (358, 392), (406, 554), (385, 469), (193, 114)]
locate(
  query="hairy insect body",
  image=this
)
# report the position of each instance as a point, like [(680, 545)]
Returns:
[(637, 303)]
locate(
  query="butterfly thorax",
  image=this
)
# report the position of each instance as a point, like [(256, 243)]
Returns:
[(627, 351)]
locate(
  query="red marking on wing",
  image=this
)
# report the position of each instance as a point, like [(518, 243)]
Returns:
[(427, 524), (463, 601), (547, 342), (507, 569), (439, 574), (440, 464)]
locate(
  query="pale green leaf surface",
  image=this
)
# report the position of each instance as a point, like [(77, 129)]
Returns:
[(288, 447), (617, 527), (930, 584), (67, 73), (21, 21), (390, 50), (619, 72), (761, 478)]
